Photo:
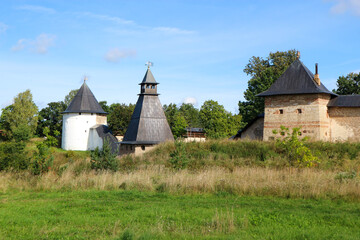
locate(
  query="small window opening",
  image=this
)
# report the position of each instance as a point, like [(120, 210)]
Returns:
[(153, 87), (130, 147), (85, 130), (79, 113), (299, 111), (147, 86), (143, 148), (281, 111), (92, 114)]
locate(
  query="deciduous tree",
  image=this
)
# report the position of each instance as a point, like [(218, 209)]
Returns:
[(348, 85)]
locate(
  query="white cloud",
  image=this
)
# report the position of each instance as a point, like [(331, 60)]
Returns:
[(172, 30), (115, 54), (343, 6), (190, 100), (40, 45), (3, 27), (34, 8), (116, 20)]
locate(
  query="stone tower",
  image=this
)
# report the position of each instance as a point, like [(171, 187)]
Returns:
[(82, 122), (298, 99), (148, 125)]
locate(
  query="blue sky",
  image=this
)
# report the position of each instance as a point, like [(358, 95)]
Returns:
[(199, 48)]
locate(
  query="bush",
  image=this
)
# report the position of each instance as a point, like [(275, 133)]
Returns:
[(179, 158), (42, 160), (13, 156), (22, 133), (104, 159)]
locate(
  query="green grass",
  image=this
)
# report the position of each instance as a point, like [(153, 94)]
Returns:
[(144, 215)]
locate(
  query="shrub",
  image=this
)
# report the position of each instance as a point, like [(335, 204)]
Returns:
[(179, 158), (104, 159), (51, 141), (13, 156), (42, 159), (294, 148)]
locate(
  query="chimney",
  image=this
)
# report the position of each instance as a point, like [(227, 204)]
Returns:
[(316, 77)]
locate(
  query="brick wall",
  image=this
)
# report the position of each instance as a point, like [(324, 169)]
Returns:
[(308, 111), (255, 131), (345, 123)]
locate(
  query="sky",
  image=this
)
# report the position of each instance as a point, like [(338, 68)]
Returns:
[(198, 48)]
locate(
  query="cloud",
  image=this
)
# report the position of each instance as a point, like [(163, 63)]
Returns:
[(38, 9), (172, 30), (116, 20), (3, 27), (343, 6), (190, 100), (40, 45), (115, 54)]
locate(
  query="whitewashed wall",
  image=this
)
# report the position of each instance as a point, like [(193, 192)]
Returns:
[(94, 140), (76, 129)]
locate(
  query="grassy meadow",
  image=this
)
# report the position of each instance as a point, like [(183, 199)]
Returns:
[(212, 190)]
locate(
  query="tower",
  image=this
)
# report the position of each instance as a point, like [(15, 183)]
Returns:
[(82, 121), (148, 125)]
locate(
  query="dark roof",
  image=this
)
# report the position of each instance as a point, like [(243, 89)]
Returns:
[(200, 130), (148, 124), (297, 79), (238, 134), (148, 78), (105, 134), (345, 101), (84, 102)]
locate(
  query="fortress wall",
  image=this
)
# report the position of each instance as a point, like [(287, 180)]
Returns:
[(345, 123)]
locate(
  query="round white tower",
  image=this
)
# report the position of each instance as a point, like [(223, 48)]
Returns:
[(83, 114)]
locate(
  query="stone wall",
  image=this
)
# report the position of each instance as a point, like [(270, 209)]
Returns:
[(255, 131), (345, 123), (308, 111), (137, 150)]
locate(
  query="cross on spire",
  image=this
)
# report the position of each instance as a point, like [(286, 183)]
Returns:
[(85, 78), (149, 64)]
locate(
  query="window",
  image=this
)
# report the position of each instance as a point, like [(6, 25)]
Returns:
[(281, 111), (79, 113), (143, 147), (299, 111), (147, 86), (153, 87)]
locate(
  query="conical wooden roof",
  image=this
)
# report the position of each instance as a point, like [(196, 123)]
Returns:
[(84, 102), (148, 123), (297, 79)]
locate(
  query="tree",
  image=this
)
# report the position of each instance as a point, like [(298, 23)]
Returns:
[(119, 117), (104, 106), (348, 85), (191, 115), (51, 118), (179, 126), (170, 112), (22, 113), (70, 97), (214, 119), (263, 73)]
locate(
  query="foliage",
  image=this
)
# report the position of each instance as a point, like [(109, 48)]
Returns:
[(171, 111), (104, 159), (51, 141), (23, 112), (51, 118), (119, 117), (42, 159), (22, 133), (216, 121), (179, 158), (348, 85), (104, 106), (295, 149), (68, 98), (263, 73), (191, 115), (179, 127), (13, 156)]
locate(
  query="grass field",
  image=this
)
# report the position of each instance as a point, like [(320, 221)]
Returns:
[(144, 215)]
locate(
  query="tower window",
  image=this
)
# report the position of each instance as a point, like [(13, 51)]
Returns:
[(281, 111), (147, 86), (299, 111), (153, 87)]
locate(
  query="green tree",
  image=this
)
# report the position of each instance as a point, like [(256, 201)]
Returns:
[(214, 119), (22, 113), (348, 85), (191, 115), (234, 123), (119, 117), (170, 112), (104, 159), (70, 97), (263, 73), (179, 125), (51, 118), (104, 106)]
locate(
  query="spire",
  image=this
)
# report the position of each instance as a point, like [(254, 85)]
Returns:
[(148, 84), (84, 102)]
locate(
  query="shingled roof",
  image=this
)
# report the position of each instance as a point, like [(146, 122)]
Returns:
[(297, 79), (148, 123), (345, 101), (84, 102)]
